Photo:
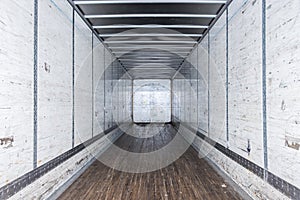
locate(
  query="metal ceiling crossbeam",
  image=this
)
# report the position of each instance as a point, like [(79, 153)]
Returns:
[(142, 68), (137, 63), (149, 35), (170, 67), (181, 57), (150, 64), (148, 2), (154, 26), (148, 60), (156, 47), (151, 58), (150, 42), (154, 53), (110, 16), (153, 66), (181, 53), (156, 64), (158, 51), (153, 61), (133, 57)]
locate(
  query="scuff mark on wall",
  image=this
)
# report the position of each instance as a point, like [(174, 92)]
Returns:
[(7, 141), (83, 159), (292, 142), (283, 106), (47, 67)]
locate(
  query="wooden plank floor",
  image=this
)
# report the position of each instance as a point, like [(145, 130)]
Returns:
[(188, 178)]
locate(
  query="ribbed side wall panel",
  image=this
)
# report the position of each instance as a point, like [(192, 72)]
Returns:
[(248, 84), (16, 91), (83, 81), (48, 56), (54, 80), (283, 88)]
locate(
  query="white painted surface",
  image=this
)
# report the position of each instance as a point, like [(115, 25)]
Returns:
[(123, 100), (175, 100), (245, 85), (151, 101), (203, 85), (187, 94), (83, 81), (245, 92), (194, 86), (108, 89), (178, 97), (120, 78), (16, 88), (54, 91), (129, 98), (16, 59), (182, 106), (98, 56), (54, 79), (217, 81), (283, 88)]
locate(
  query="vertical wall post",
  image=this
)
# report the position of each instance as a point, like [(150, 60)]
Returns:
[(197, 88), (73, 78), (93, 100), (184, 99), (132, 98), (264, 90), (190, 92), (35, 84), (172, 97), (227, 80), (104, 89), (208, 84), (111, 65)]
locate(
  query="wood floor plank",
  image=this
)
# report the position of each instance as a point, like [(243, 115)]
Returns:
[(188, 178)]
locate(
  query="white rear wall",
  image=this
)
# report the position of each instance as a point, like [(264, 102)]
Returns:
[(151, 101)]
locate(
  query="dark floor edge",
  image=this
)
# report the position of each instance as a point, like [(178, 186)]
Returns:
[(278, 183), (20, 183)]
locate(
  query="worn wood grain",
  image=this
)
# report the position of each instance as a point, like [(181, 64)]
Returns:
[(187, 178)]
